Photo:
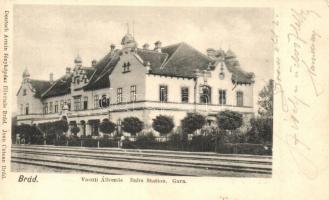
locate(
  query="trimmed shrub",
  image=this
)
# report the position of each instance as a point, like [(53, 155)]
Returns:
[(132, 125), (106, 126), (163, 124), (229, 120), (192, 122), (75, 130)]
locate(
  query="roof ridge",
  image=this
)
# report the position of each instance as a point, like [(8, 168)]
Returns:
[(151, 51), (39, 80), (52, 85), (103, 74), (172, 45), (207, 57), (172, 55)]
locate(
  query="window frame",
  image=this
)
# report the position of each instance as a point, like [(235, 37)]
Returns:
[(163, 97), (119, 95), (182, 94), (133, 93), (239, 98), (222, 98), (96, 101), (201, 94)]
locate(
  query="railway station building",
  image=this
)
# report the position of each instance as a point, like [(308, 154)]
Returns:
[(145, 82)]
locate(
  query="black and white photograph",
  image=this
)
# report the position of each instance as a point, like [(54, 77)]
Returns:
[(137, 90)]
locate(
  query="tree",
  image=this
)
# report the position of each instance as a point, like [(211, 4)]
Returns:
[(75, 130), (163, 124), (261, 130), (132, 125), (229, 120), (107, 126), (192, 122), (29, 133), (265, 100)]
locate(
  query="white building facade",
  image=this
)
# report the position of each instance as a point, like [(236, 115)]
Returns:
[(171, 80)]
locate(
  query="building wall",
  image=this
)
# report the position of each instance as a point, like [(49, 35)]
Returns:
[(174, 85), (34, 103), (124, 80)]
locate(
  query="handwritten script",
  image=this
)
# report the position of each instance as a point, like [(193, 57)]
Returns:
[(302, 39)]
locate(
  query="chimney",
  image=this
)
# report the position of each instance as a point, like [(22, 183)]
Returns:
[(68, 71), (148, 66), (157, 46), (211, 52), (146, 46), (112, 47), (93, 63), (51, 78)]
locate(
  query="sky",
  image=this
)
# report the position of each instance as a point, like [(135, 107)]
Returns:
[(47, 38)]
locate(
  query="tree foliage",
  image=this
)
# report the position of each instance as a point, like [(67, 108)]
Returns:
[(106, 126), (132, 125), (75, 130), (261, 130), (192, 122), (56, 127), (265, 100), (163, 124), (229, 120), (29, 133)]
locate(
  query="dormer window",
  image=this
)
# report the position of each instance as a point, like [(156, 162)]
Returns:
[(126, 67)]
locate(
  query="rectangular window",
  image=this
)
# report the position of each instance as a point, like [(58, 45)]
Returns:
[(184, 94), (239, 98), (126, 67), (163, 90), (77, 103), (96, 101), (85, 103), (24, 92), (22, 109), (61, 104), (119, 95), (56, 106), (27, 109), (133, 93), (68, 103), (222, 97), (50, 107), (46, 108)]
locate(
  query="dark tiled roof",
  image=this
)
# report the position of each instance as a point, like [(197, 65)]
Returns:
[(155, 58), (182, 61), (39, 86), (174, 60), (100, 78), (61, 87)]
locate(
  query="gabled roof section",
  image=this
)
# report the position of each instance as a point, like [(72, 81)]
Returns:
[(182, 61), (239, 76), (100, 78), (61, 87), (39, 86), (155, 58)]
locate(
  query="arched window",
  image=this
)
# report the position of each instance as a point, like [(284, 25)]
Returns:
[(205, 94)]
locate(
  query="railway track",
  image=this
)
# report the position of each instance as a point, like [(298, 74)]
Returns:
[(118, 161)]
